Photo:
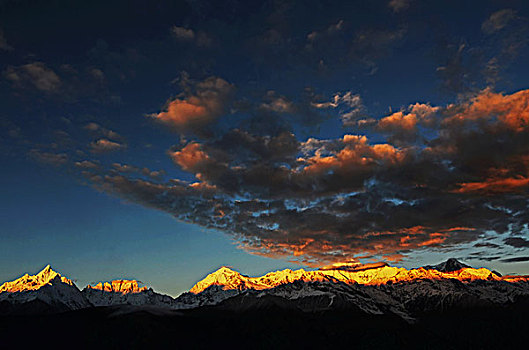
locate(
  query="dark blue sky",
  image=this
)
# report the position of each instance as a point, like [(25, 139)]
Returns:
[(160, 140)]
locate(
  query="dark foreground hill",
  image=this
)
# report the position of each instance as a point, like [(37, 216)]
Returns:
[(269, 324)]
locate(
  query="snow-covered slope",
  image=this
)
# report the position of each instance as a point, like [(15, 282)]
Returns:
[(376, 275), (47, 290), (377, 289), (121, 292), (212, 295)]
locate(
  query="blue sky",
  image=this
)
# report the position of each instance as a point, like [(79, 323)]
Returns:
[(90, 236), (162, 140)]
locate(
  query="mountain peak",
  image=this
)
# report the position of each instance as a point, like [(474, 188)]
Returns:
[(119, 286), (34, 282), (349, 273), (225, 277), (449, 265), (47, 273), (224, 270)]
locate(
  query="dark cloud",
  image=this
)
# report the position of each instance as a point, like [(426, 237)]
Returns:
[(422, 178), (36, 75), (399, 5), (467, 66), (517, 242), (327, 45), (331, 199), (486, 245), (105, 145), (516, 259), (461, 67), (87, 164), (498, 20), (127, 169), (316, 36), (105, 140), (349, 105), (100, 131), (490, 258), (48, 157), (370, 45), (182, 34), (62, 83), (276, 113), (277, 103)]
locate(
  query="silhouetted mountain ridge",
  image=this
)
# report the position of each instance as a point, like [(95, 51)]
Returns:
[(449, 265)]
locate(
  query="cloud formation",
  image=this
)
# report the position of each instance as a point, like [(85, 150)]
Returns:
[(315, 36), (350, 106), (105, 145), (199, 105), (101, 131), (464, 175), (371, 44), (466, 66), (36, 75), (48, 157), (182, 34), (399, 5), (498, 20)]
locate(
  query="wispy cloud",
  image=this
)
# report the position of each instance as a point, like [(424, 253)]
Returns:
[(350, 105), (498, 20), (322, 35), (105, 145), (48, 157), (182, 34), (36, 75), (399, 5)]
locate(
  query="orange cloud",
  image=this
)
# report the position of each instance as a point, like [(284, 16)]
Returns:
[(391, 245), (399, 120), (511, 111), (495, 185), (356, 155), (183, 113), (191, 157), (407, 122), (199, 108), (435, 239), (394, 258)]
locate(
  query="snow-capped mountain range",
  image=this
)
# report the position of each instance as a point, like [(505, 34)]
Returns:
[(43, 292), (119, 292), (374, 289)]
